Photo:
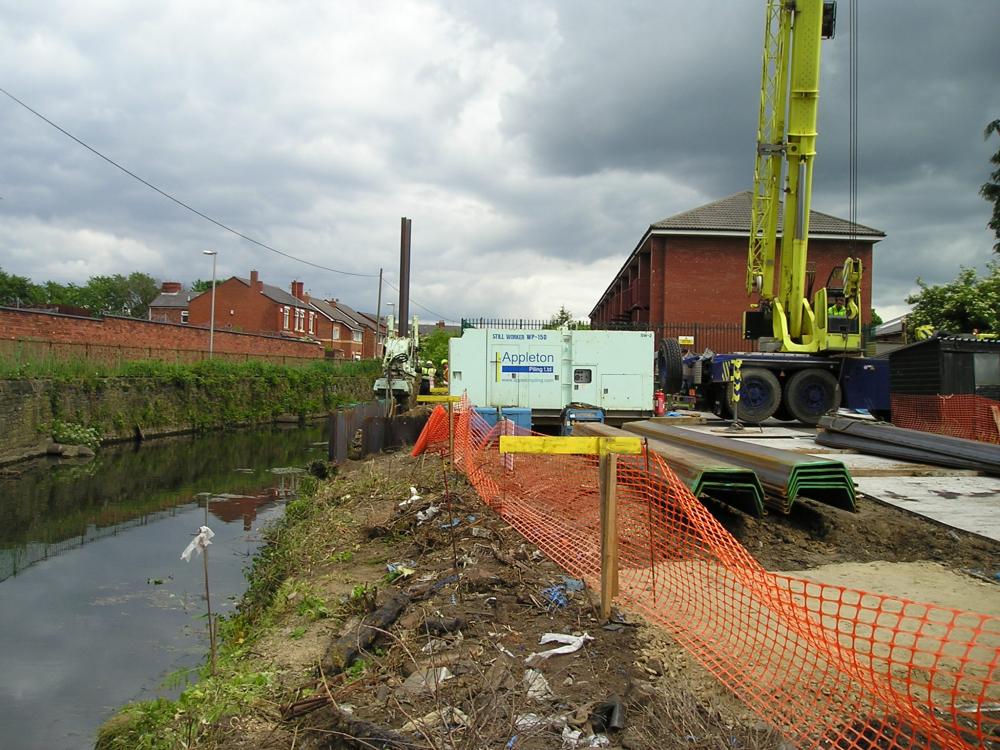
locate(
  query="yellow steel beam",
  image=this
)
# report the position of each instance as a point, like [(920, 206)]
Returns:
[(590, 446), (438, 399)]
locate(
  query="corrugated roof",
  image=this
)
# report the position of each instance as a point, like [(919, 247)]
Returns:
[(732, 214)]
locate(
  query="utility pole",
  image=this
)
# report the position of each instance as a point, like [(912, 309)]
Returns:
[(378, 316), (211, 325)]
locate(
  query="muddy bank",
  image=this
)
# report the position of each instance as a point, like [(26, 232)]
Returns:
[(373, 618)]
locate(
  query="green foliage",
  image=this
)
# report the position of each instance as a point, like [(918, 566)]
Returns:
[(991, 188), (968, 303), (106, 295), (434, 346), (562, 317), (876, 318), (356, 669), (312, 607), (163, 724), (344, 556), (200, 285), (71, 433)]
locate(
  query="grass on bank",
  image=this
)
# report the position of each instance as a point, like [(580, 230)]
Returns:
[(303, 540)]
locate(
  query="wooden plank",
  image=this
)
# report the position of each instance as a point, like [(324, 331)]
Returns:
[(609, 531), (593, 446), (438, 399)]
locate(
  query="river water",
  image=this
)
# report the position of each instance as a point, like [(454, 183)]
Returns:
[(96, 607)]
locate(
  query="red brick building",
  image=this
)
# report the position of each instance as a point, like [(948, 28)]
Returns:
[(252, 306), (688, 272), (171, 305)]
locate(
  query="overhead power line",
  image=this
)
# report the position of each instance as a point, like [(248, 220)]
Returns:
[(178, 201), (201, 214)]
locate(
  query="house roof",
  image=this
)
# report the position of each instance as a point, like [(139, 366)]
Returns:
[(732, 214), (172, 299), (277, 294), (357, 319), (333, 313)]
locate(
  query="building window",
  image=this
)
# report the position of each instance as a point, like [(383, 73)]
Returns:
[(184, 316), (312, 322), (335, 332), (284, 315), (356, 335)]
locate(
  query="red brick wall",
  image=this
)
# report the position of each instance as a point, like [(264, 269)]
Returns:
[(166, 314), (237, 307), (32, 326), (703, 280)]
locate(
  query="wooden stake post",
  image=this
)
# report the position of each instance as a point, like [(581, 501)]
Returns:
[(451, 401), (608, 449)]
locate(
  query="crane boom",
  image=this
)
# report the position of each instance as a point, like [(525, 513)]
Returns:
[(786, 147)]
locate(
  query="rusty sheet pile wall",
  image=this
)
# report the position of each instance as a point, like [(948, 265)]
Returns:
[(828, 666)]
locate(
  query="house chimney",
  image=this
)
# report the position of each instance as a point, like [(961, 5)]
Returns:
[(255, 282), (297, 289), (171, 287)]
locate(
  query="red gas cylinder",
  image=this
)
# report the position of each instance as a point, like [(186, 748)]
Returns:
[(659, 403)]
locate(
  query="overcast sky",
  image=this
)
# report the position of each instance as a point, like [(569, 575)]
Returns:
[(531, 144)]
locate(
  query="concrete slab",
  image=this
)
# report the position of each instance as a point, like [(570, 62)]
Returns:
[(970, 503)]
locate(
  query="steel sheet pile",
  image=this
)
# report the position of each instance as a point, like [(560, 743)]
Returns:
[(909, 445), (785, 475)]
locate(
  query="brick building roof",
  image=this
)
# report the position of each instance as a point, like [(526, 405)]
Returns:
[(172, 299), (732, 214)]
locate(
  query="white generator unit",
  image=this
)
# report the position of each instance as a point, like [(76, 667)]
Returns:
[(546, 370)]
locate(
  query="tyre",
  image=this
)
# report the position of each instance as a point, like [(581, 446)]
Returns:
[(670, 366), (812, 393), (760, 395)]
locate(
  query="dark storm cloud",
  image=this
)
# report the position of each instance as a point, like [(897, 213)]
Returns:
[(529, 143)]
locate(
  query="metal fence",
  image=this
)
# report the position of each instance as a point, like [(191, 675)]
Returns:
[(363, 429)]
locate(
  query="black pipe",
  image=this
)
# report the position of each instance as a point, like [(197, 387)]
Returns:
[(404, 277)]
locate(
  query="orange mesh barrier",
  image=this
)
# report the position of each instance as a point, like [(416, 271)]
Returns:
[(828, 666), (961, 415)]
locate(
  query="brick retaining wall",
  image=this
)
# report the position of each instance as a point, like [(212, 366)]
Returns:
[(138, 339)]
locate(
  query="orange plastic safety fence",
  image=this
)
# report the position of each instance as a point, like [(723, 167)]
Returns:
[(960, 415), (828, 666)]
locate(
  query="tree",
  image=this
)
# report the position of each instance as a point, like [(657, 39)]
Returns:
[(18, 290), (561, 318), (991, 190), (200, 285), (876, 318), (968, 303), (434, 346)]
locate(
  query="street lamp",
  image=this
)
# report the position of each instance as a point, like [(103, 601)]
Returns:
[(211, 324)]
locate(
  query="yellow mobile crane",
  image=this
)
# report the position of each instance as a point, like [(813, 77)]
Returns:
[(811, 359), (790, 89)]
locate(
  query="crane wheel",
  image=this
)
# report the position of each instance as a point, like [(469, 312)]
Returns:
[(760, 395), (809, 394), (670, 366)]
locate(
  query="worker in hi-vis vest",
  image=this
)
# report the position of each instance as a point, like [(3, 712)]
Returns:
[(837, 309)]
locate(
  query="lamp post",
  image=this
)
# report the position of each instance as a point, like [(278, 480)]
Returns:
[(211, 324)]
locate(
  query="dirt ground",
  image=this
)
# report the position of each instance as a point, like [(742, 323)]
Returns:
[(454, 670)]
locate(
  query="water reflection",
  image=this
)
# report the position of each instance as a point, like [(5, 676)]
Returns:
[(96, 607)]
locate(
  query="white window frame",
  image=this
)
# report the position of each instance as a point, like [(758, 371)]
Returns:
[(357, 335), (312, 322), (184, 316), (284, 313)]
